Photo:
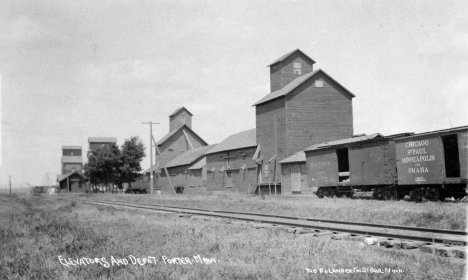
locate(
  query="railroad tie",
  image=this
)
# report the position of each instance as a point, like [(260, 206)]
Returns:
[(323, 233), (408, 244), (454, 252), (389, 243), (356, 237), (340, 236)]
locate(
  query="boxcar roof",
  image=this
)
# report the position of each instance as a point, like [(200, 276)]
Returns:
[(298, 157), (294, 84), (71, 147), (236, 141), (188, 157), (102, 139), (177, 111), (169, 135), (288, 54), (72, 159), (448, 130), (345, 141)]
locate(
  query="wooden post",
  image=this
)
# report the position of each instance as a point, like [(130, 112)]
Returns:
[(68, 184), (151, 155), (165, 169)]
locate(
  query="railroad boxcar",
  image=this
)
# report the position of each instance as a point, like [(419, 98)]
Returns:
[(433, 165), (366, 163)]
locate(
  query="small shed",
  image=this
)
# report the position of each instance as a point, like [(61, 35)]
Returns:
[(72, 182), (294, 175)]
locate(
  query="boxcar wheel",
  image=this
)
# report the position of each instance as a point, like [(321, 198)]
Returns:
[(432, 195)]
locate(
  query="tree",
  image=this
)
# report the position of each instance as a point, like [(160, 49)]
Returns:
[(111, 165), (133, 152), (103, 165)]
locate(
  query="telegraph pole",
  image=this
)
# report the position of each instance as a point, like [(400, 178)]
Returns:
[(10, 184), (151, 155)]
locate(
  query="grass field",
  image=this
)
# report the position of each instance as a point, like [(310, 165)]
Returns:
[(439, 215), (35, 231)]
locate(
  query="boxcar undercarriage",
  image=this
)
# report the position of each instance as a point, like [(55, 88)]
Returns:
[(397, 192)]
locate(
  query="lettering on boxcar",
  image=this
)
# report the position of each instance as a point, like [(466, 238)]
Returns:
[(376, 154), (319, 164)]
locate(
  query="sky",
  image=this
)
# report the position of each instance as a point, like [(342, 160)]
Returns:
[(70, 70)]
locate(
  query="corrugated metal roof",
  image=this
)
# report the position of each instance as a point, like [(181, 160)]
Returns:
[(72, 147), (344, 141), (189, 156), (72, 159), (294, 84), (176, 111), (236, 141), (60, 178), (288, 54), (102, 139), (298, 157), (198, 165), (169, 135)]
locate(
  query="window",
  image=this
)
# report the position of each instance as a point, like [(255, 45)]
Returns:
[(318, 83), (297, 68), (182, 119)]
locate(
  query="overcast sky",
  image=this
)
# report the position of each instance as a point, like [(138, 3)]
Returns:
[(74, 69)]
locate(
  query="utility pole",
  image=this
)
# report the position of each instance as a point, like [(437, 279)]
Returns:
[(10, 184), (151, 155)]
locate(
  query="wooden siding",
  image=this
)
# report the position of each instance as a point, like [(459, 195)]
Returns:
[(75, 182), (68, 168), (317, 115), (178, 144), (71, 152), (282, 73), (176, 121), (191, 180), (240, 179), (266, 136)]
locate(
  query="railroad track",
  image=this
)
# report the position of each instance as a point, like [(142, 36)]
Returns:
[(442, 242)]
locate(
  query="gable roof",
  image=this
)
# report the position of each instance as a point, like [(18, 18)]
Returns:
[(188, 157), (288, 54), (199, 165), (344, 141), (170, 134), (60, 178), (72, 159), (298, 157), (102, 139), (177, 111), (236, 141), (294, 84)]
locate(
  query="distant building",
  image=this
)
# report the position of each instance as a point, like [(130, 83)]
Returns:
[(72, 159), (180, 138), (71, 182), (99, 142)]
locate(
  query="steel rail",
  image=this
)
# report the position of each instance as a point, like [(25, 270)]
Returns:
[(432, 230), (314, 227)]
